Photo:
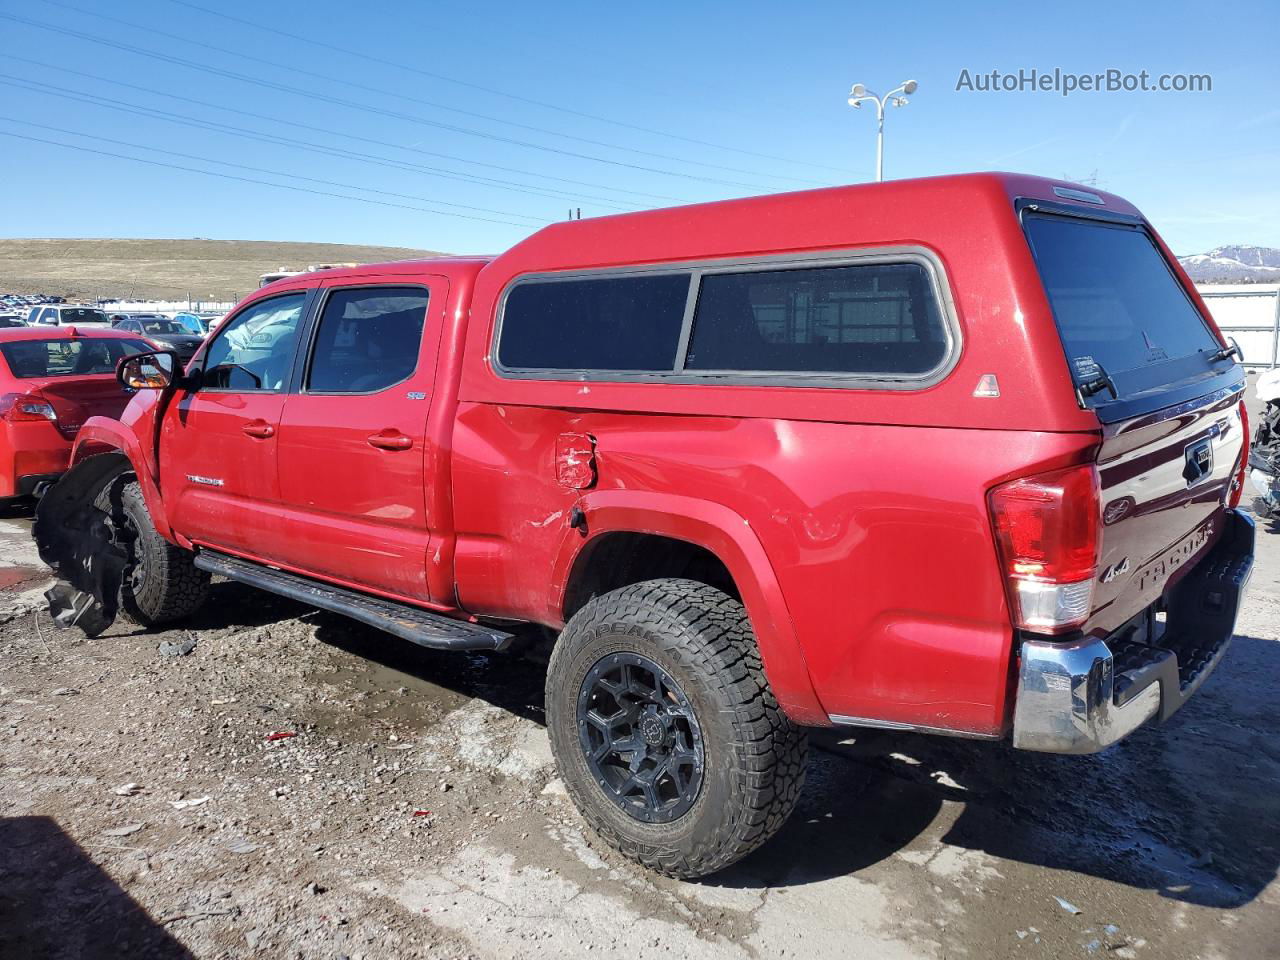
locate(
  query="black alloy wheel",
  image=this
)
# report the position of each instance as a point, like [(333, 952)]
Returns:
[(641, 738)]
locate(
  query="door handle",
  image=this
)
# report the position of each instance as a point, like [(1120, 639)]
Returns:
[(390, 440), (259, 429)]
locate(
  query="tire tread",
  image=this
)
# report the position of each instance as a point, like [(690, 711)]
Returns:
[(712, 633)]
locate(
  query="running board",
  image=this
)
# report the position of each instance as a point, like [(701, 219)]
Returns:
[(419, 626)]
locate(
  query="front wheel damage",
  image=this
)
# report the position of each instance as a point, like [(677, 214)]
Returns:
[(83, 545)]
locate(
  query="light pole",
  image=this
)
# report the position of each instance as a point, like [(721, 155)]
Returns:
[(896, 96)]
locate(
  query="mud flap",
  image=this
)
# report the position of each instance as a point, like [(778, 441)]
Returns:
[(78, 541)]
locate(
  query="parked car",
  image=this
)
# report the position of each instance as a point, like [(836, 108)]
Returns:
[(11, 320), (51, 382), (167, 333), (960, 455), (194, 323), (60, 314)]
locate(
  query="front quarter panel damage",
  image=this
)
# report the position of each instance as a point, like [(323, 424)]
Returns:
[(80, 543)]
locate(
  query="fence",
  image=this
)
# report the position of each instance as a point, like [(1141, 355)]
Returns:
[(167, 306), (1251, 314)]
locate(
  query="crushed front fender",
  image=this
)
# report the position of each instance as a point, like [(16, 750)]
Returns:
[(81, 544)]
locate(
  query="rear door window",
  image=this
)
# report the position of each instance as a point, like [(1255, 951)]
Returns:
[(1118, 305), (368, 339)]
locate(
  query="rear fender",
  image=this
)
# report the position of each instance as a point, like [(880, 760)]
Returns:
[(729, 536)]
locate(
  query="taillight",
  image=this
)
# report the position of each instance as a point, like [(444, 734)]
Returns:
[(1237, 485), (25, 407), (1047, 532)]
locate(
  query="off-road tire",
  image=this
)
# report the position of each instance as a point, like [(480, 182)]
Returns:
[(754, 756), (161, 583)]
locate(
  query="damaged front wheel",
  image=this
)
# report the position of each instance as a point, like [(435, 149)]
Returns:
[(160, 581)]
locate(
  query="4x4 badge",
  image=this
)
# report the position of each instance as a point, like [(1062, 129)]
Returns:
[(1115, 570)]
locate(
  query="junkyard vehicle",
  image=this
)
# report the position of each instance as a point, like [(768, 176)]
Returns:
[(60, 314), (51, 382), (167, 333), (197, 323), (1264, 455), (959, 455)]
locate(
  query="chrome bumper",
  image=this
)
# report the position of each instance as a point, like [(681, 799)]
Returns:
[(1083, 696)]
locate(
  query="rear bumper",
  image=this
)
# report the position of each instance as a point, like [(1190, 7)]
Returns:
[(29, 454), (1082, 696)]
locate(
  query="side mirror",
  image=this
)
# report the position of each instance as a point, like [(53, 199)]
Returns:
[(148, 371)]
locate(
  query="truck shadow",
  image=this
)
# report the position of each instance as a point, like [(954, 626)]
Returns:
[(55, 902), (1190, 810), (508, 681)]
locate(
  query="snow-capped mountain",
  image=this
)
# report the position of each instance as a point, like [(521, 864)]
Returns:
[(1234, 264)]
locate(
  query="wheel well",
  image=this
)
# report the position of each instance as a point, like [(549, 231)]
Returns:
[(96, 448), (615, 560)]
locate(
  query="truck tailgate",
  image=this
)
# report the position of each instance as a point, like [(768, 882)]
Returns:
[(1165, 478)]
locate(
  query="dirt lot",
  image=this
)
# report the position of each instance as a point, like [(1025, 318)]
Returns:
[(415, 812), (165, 269)]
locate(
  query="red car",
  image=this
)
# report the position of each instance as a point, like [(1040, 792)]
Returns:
[(53, 379), (959, 455)]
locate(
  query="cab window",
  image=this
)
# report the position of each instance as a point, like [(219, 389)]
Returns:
[(368, 339), (253, 351)]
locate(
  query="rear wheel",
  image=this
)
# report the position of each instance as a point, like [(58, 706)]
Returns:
[(161, 583), (665, 731)]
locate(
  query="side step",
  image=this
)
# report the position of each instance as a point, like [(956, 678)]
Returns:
[(420, 626)]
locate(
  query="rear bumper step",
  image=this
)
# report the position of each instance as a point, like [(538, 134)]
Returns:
[(419, 626), (1083, 696)]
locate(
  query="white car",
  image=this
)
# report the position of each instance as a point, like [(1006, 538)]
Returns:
[(65, 314)]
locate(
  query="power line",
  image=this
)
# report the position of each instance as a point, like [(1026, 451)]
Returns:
[(328, 131), (497, 92), (265, 183), (276, 140), (366, 108), (385, 92), (277, 173)]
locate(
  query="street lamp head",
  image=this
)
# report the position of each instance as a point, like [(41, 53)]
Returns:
[(858, 90), (910, 86)]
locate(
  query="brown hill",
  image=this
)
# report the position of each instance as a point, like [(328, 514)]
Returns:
[(165, 269)]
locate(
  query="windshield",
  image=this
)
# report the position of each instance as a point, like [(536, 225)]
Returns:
[(32, 359), (161, 326), (81, 315), (1117, 303)]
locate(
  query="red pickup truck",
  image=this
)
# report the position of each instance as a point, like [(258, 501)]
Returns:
[(958, 455)]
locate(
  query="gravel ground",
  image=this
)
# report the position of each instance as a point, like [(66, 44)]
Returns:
[(150, 807)]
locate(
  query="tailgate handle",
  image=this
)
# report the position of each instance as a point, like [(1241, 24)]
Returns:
[(1199, 462), (259, 429)]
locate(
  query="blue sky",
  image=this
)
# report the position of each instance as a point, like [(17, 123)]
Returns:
[(768, 81)]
